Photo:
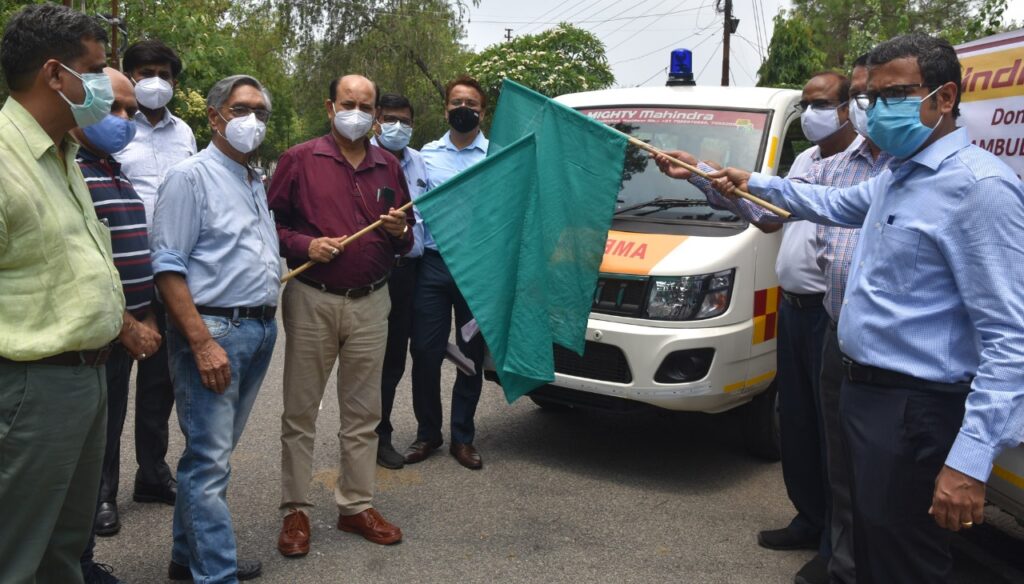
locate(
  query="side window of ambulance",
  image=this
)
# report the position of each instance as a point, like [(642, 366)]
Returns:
[(793, 143)]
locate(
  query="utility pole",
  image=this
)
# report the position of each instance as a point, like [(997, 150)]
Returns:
[(726, 33), (508, 35), (115, 25)]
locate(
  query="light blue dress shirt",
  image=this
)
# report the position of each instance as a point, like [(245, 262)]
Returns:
[(212, 225), (935, 289), (415, 172), (443, 161)]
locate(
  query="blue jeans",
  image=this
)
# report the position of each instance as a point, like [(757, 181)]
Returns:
[(212, 424)]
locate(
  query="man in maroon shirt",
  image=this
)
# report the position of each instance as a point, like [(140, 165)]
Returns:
[(324, 190)]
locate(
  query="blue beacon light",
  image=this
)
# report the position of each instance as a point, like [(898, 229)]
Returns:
[(680, 70)]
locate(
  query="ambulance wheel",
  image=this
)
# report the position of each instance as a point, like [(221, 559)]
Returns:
[(761, 425)]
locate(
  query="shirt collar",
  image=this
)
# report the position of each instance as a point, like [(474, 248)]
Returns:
[(478, 143), (239, 170), (37, 140), (326, 146), (943, 148), (166, 120)]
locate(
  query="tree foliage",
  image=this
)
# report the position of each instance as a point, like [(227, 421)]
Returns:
[(792, 54), (564, 59)]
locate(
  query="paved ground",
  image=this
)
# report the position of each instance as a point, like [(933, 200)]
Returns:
[(577, 497)]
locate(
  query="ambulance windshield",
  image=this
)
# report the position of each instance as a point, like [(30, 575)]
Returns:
[(730, 138)]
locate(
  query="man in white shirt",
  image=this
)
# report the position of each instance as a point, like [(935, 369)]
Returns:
[(161, 141)]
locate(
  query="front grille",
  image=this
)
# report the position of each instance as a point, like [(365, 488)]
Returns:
[(620, 295), (599, 361)]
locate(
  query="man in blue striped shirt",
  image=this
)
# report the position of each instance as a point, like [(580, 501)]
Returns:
[(122, 211), (931, 323)]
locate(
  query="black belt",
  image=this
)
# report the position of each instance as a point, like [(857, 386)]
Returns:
[(253, 312), (804, 300), (346, 292), (95, 358), (431, 251), (870, 375)]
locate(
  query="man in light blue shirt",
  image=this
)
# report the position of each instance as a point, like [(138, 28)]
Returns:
[(931, 322), (436, 294), (393, 129), (217, 266)]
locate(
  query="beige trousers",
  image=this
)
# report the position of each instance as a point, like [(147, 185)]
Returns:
[(321, 328)]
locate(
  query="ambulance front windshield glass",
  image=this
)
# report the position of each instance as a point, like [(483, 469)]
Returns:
[(730, 138)]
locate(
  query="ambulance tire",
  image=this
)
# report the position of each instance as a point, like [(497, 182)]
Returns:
[(549, 405), (761, 425)]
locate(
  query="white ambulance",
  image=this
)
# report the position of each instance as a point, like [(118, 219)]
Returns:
[(684, 315), (992, 110)]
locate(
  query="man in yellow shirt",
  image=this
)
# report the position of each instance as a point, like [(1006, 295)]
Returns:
[(62, 302)]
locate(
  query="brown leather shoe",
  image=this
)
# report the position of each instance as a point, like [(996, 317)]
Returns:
[(467, 455), (419, 450), (294, 539), (372, 526)]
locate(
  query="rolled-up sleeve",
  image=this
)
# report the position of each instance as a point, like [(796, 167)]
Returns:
[(177, 221), (983, 241)]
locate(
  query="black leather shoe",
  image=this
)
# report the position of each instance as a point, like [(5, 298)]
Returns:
[(419, 450), (247, 570), (107, 523), (813, 572), (94, 573), (165, 493), (387, 456), (788, 539)]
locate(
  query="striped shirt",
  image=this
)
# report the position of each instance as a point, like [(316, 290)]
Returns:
[(121, 209), (836, 244)]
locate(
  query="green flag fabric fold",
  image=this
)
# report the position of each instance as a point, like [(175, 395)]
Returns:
[(523, 231)]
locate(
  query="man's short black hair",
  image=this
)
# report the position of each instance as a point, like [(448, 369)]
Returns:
[(332, 91), (396, 101), (41, 32), (861, 61), (150, 52), (936, 59), (844, 82)]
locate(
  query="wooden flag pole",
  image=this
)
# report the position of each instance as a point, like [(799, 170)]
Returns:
[(755, 200), (348, 240)]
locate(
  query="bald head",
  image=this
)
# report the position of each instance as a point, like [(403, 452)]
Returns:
[(351, 86), (124, 105)]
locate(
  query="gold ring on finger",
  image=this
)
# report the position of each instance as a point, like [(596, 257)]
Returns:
[(967, 523)]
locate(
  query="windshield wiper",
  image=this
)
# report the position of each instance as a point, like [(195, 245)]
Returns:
[(662, 204)]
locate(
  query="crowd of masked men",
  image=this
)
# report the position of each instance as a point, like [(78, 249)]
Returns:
[(120, 243)]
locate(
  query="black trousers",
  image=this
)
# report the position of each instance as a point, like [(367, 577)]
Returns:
[(154, 400), (401, 287), (801, 332), (898, 439), (841, 567), (437, 297)]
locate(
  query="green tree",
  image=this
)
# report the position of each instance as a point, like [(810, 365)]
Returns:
[(564, 59), (792, 55)]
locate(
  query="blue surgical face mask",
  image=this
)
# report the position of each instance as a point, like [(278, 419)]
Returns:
[(111, 134), (897, 128), (99, 96), (394, 136)]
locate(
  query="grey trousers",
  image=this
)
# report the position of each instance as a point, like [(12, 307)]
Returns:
[(52, 432), (841, 566)]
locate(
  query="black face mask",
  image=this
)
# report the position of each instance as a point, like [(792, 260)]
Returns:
[(462, 119)]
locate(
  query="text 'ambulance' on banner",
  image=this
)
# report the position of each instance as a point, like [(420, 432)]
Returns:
[(523, 232), (992, 105)]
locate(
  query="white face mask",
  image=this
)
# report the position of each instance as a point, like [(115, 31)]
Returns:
[(245, 134), (394, 136), (819, 124), (352, 124), (153, 93), (859, 119)]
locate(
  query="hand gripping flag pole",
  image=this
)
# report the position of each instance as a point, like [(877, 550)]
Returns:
[(347, 241)]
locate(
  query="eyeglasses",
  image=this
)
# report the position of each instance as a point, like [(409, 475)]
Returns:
[(390, 119), (891, 95), (470, 103), (242, 111), (818, 104)]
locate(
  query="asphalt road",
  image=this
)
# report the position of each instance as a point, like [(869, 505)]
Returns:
[(575, 497)]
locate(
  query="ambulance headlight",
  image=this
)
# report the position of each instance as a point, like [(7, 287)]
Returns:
[(690, 297)]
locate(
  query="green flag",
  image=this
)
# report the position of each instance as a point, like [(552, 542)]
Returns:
[(523, 232)]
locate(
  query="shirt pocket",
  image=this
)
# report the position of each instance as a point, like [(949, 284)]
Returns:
[(101, 233), (895, 262)]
